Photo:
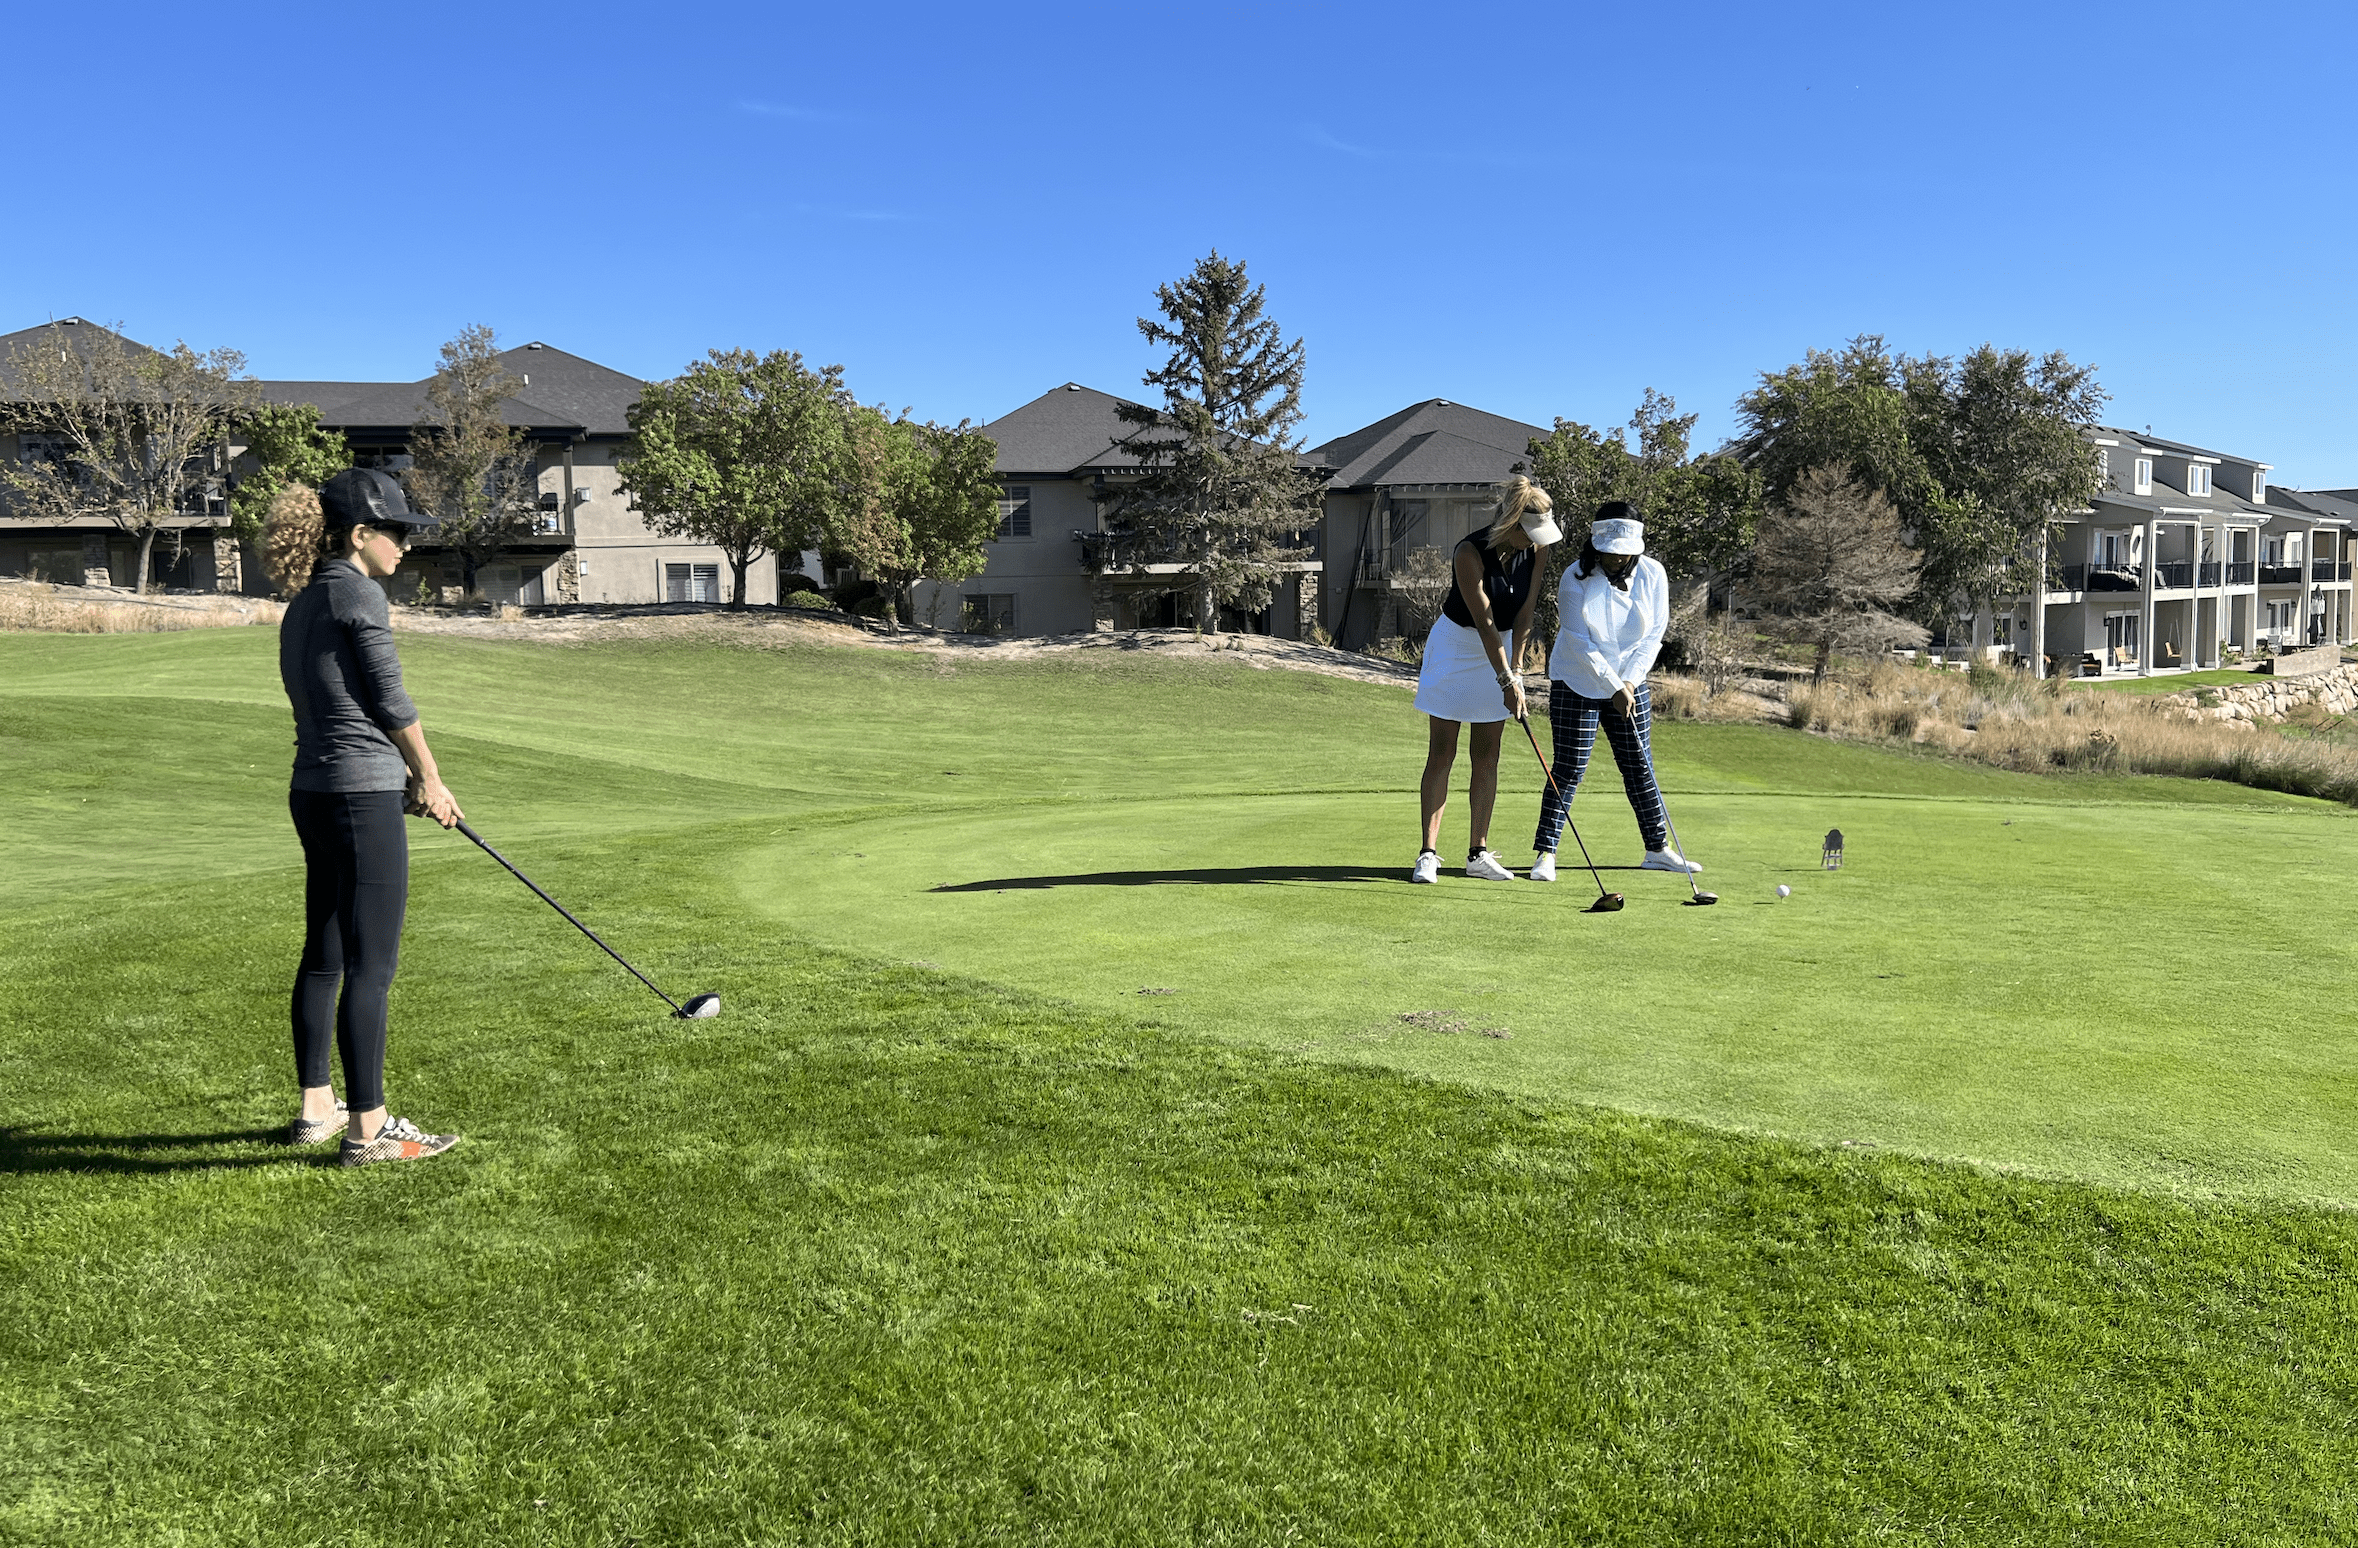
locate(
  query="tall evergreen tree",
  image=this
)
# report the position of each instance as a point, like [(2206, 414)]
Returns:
[(1221, 490)]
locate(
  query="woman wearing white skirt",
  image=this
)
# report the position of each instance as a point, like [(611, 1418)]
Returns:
[(1468, 674)]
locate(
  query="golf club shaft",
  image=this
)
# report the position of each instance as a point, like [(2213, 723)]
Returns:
[(569, 919), (1533, 738), (1667, 821)]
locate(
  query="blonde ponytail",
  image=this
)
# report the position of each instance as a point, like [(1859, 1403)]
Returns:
[(1515, 496), (293, 533)]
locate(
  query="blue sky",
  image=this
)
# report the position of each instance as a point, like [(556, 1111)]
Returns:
[(1539, 210)]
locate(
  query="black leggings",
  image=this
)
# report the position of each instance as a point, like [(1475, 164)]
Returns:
[(355, 892)]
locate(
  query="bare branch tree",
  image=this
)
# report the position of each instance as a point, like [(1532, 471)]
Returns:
[(470, 466), (1829, 564), (129, 434)]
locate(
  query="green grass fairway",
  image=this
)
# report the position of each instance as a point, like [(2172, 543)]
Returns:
[(1648, 1228)]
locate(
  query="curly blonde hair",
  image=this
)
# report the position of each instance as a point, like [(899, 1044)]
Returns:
[(1515, 496), (294, 537)]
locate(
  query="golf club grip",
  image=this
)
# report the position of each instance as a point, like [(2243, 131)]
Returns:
[(509, 865)]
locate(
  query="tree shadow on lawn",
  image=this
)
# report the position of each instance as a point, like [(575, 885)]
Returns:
[(23, 1152), (1230, 876)]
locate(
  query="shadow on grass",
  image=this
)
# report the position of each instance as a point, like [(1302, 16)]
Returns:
[(22, 1151), (1229, 876)]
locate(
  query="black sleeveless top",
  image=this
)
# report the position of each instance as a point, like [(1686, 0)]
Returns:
[(1507, 582)]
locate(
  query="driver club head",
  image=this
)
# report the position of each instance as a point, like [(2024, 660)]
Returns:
[(702, 1007), (1703, 900), (1608, 903)]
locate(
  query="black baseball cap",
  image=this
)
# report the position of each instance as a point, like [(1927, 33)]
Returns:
[(369, 497)]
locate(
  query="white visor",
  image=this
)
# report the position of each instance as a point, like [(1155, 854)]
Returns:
[(1542, 526), (1618, 537)]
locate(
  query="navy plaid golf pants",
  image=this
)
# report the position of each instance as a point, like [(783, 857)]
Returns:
[(1575, 717)]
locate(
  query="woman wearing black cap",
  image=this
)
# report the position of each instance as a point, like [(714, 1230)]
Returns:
[(361, 760)]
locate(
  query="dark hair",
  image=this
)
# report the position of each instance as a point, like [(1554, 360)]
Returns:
[(1590, 561)]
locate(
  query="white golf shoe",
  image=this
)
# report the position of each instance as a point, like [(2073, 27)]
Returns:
[(1428, 868), (1486, 866), (1668, 860), (1544, 868)]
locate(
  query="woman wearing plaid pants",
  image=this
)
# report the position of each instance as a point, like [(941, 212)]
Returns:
[(1611, 608)]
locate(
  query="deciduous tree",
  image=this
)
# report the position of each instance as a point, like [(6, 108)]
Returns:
[(469, 466), (288, 447), (139, 435), (1830, 568), (2004, 433), (1700, 511), (929, 506), (751, 453), (1221, 490)]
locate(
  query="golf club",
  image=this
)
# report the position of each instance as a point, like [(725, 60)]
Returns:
[(699, 1007), (1607, 902), (1701, 899)]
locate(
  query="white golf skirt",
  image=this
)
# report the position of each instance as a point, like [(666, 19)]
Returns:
[(1457, 681)]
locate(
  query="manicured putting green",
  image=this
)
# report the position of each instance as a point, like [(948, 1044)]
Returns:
[(2082, 990)]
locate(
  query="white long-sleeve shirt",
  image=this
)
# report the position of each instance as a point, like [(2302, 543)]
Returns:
[(1607, 638)]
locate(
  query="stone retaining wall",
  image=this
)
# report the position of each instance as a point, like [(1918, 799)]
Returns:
[(2273, 698)]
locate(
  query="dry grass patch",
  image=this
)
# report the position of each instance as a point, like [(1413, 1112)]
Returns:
[(2009, 720), (43, 609)]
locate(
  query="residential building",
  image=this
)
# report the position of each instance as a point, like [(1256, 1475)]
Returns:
[(2185, 557), (1420, 479), (193, 548), (589, 546)]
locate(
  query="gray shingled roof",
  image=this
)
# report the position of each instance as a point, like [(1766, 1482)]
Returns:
[(2339, 506), (559, 391), (1434, 442), (2158, 443), (72, 329), (1064, 430)]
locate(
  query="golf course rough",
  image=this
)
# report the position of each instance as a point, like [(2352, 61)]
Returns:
[(1002, 1246)]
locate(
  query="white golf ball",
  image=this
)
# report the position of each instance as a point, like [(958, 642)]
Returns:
[(1784, 891)]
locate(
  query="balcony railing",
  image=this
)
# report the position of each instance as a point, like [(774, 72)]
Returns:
[(1101, 551), (2209, 575), (2326, 569), (2173, 575), (2240, 572), (2280, 575)]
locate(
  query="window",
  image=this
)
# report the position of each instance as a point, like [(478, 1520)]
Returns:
[(500, 584), (2002, 630), (58, 566), (41, 448), (691, 583), (2272, 550), (2144, 475), (1015, 511), (2120, 637), (989, 613), (2259, 487), (2198, 478)]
